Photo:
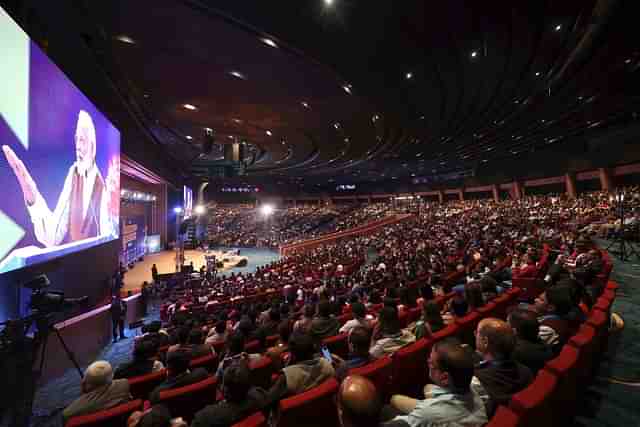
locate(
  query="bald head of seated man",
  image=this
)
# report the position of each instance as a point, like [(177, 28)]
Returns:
[(359, 403)]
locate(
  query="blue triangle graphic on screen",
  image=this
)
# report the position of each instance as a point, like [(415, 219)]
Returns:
[(14, 78)]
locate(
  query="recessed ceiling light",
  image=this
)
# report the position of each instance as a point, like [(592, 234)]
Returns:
[(237, 121), (474, 53), (305, 104), (208, 129), (146, 95), (375, 118), (190, 107), (421, 117), (268, 42), (347, 88), (409, 75), (125, 39), (336, 125), (328, 2), (537, 73), (189, 137), (268, 133), (558, 27), (230, 136), (627, 61), (238, 74)]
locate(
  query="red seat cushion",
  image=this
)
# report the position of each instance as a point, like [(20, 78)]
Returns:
[(409, 367), (338, 344), (255, 420), (586, 341), (504, 417), (186, 401), (112, 417), (534, 403), (565, 367), (140, 387), (209, 362), (313, 408), (379, 372)]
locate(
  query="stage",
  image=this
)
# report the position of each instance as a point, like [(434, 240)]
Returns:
[(165, 262)]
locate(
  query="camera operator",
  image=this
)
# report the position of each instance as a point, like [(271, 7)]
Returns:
[(118, 315)]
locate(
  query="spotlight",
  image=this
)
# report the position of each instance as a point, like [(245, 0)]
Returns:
[(328, 2), (266, 210), (474, 54), (558, 27), (269, 133), (269, 42), (409, 75), (199, 209), (190, 107)]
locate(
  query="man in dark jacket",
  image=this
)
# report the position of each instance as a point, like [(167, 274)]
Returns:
[(499, 374), (118, 314), (241, 399), (324, 325), (143, 362), (529, 349), (178, 374)]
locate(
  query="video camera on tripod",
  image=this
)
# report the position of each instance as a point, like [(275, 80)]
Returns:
[(19, 351)]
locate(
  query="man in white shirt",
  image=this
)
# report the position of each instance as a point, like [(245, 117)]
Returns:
[(87, 206)]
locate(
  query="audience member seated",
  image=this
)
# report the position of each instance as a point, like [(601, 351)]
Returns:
[(388, 337), (241, 399), (359, 340), (529, 350), (218, 333), (178, 374), (499, 374), (270, 327), (359, 318), (304, 325), (450, 401), (192, 342), (358, 403), (324, 325), (430, 322), (156, 416), (144, 360), (304, 371), (99, 391), (559, 316), (234, 352), (281, 346), (456, 308)]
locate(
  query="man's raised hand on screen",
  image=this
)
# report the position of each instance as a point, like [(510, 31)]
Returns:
[(28, 185)]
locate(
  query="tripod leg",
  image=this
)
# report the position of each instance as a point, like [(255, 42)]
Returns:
[(69, 352)]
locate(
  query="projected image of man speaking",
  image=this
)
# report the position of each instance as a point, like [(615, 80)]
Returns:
[(87, 205)]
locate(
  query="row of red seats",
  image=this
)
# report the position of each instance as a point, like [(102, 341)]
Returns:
[(551, 399)]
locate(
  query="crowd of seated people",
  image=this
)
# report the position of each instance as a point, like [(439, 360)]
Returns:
[(431, 270)]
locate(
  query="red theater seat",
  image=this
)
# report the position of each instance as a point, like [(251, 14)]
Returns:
[(467, 327), (261, 371), (409, 367), (186, 401), (585, 341), (338, 344), (255, 420), (210, 363), (271, 340), (379, 372), (313, 408), (531, 287), (141, 386), (504, 417), (252, 347), (488, 310), (565, 367), (450, 331), (600, 322), (534, 403), (112, 417)]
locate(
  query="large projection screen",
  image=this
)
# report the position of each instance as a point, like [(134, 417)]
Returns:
[(60, 159)]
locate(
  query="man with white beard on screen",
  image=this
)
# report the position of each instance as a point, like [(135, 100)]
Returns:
[(86, 206)]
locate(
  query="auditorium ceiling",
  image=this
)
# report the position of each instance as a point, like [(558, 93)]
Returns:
[(371, 90)]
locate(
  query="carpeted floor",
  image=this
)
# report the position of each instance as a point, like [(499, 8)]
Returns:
[(615, 396)]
